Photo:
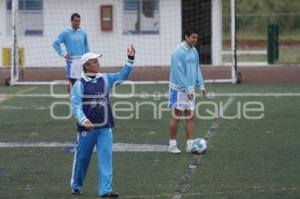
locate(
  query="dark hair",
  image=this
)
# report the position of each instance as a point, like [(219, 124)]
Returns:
[(84, 66), (188, 31), (74, 15)]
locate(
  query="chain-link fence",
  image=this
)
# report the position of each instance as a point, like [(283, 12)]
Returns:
[(255, 18)]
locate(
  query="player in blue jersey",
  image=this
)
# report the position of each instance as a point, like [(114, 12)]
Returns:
[(92, 111), (185, 77), (76, 44)]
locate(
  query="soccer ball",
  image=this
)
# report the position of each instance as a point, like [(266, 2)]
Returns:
[(199, 146)]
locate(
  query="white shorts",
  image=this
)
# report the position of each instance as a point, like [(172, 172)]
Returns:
[(180, 101), (74, 69)]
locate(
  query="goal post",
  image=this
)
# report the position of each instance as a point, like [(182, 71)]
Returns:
[(159, 31), (14, 70), (234, 75)]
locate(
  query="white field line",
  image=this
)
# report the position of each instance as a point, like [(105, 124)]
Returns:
[(186, 178), (117, 147), (159, 95), (12, 95)]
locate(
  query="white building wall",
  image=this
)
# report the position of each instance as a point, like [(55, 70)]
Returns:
[(151, 50)]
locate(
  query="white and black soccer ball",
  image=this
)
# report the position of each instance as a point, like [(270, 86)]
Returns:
[(199, 146)]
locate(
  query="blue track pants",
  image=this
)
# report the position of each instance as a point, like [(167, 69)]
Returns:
[(86, 141)]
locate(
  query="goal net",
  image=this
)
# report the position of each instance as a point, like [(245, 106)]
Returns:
[(154, 27)]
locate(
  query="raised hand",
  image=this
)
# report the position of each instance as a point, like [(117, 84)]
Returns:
[(131, 51)]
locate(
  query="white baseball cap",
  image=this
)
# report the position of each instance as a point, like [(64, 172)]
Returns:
[(88, 56)]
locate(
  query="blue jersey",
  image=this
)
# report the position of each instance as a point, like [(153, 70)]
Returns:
[(94, 93), (75, 42), (185, 74)]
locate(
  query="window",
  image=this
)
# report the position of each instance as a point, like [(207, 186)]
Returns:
[(141, 17), (30, 17), (27, 5)]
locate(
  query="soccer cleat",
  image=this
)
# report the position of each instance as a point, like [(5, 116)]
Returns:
[(76, 192), (174, 149), (110, 195)]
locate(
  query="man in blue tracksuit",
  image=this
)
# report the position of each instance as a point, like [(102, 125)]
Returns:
[(185, 76), (92, 111), (76, 44)]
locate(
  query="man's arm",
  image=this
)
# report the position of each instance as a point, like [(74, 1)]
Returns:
[(76, 102), (57, 42), (199, 77), (86, 44), (178, 71), (119, 77)]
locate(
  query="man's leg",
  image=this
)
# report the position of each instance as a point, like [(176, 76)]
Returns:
[(71, 83), (189, 128), (175, 116), (104, 153), (83, 151), (73, 72)]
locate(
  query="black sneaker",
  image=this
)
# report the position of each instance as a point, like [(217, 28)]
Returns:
[(110, 195), (76, 192)]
